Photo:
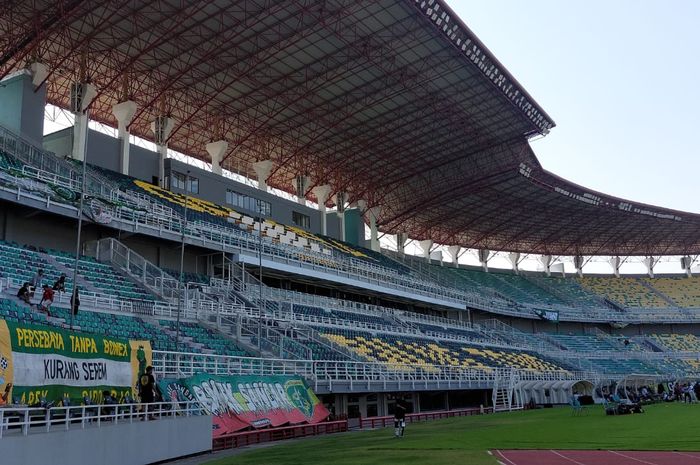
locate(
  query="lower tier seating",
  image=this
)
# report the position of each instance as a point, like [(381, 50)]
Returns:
[(396, 351)]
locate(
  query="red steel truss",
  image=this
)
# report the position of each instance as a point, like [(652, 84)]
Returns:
[(393, 101)]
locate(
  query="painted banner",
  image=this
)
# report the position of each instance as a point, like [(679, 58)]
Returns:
[(240, 402), (44, 362)]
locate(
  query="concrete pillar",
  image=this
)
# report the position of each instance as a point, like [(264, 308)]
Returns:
[(340, 205), (484, 258), (39, 73), (124, 113), (321, 193), (216, 151), (578, 263), (615, 264), (374, 212), (546, 261), (161, 128), (82, 95), (514, 259), (686, 263), (454, 253), (302, 185), (425, 247), (649, 262), (401, 239), (262, 170)]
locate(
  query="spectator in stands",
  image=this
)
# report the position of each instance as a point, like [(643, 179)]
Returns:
[(147, 386), (46, 300), (75, 301), (36, 281), (5, 396), (400, 417), (108, 399), (24, 294), (60, 284)]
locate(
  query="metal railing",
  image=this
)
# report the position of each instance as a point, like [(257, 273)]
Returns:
[(18, 420), (121, 257), (184, 364)]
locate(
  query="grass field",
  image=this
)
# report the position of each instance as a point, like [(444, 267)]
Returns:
[(466, 440)]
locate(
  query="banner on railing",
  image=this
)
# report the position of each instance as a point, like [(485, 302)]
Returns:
[(239, 402), (45, 363)]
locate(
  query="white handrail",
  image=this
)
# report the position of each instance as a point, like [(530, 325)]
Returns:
[(23, 420)]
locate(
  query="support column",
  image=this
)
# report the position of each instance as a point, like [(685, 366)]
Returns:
[(340, 205), (262, 172), (514, 259), (615, 264), (81, 95), (124, 113), (39, 73), (649, 262), (454, 253), (161, 128), (374, 212), (686, 263), (321, 193), (401, 239), (484, 258), (578, 263), (302, 185), (546, 261), (216, 151), (425, 247)]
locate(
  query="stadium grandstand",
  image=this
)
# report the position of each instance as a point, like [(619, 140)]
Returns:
[(230, 199)]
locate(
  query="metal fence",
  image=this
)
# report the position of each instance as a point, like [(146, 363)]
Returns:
[(22, 420)]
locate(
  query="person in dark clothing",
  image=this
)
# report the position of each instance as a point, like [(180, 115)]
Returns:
[(147, 386), (400, 417), (108, 399), (24, 294), (60, 284), (75, 301)]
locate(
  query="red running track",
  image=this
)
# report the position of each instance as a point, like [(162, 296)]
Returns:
[(595, 457)]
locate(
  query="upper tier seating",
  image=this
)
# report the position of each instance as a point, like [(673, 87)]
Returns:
[(569, 290), (628, 292), (298, 239), (510, 286), (683, 290)]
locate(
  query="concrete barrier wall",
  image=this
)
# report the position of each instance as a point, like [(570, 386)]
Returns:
[(137, 443)]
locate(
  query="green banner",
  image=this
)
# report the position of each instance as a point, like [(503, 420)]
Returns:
[(49, 364), (240, 402)]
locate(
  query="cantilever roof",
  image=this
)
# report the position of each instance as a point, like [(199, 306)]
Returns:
[(394, 101)]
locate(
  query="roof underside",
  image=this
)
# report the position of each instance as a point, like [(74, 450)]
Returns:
[(394, 101)]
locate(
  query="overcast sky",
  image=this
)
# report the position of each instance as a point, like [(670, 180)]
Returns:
[(621, 80)]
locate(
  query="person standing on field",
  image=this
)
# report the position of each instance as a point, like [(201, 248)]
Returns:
[(400, 418)]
